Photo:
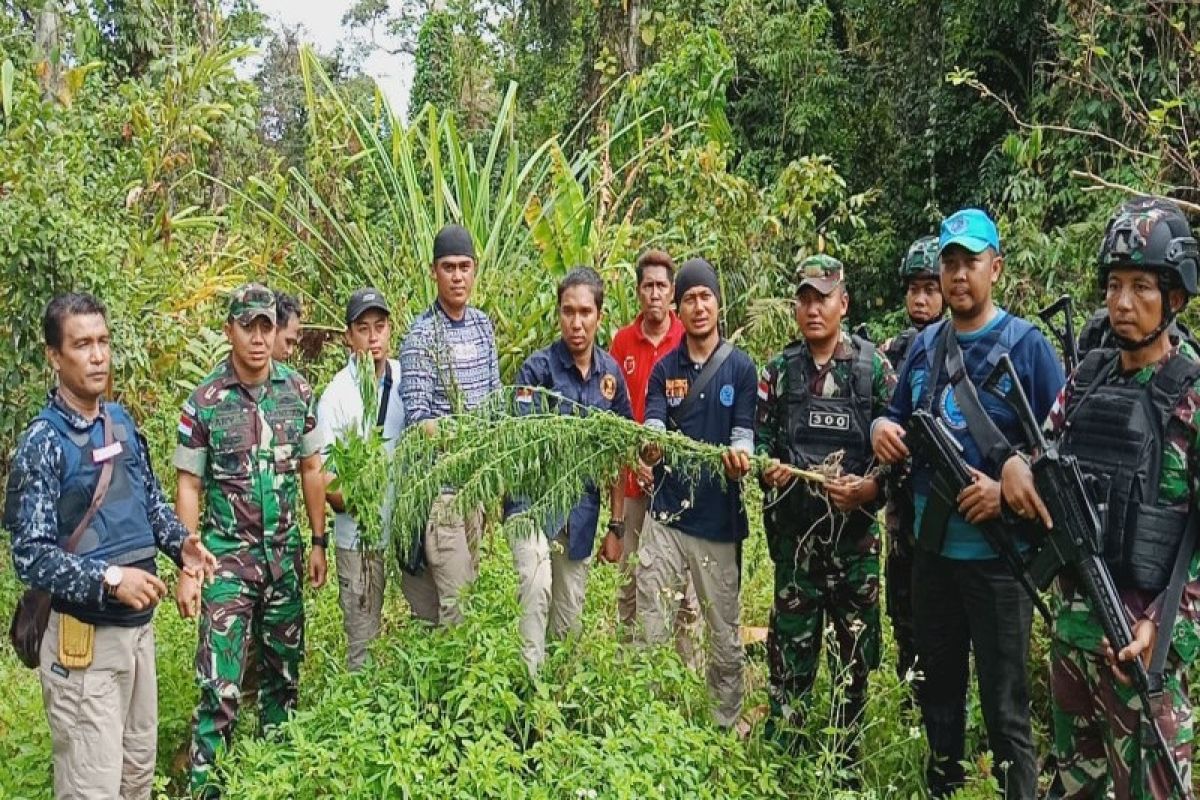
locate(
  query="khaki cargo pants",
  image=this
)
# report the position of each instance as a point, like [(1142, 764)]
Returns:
[(362, 580), (551, 589), (687, 620), (666, 557), (451, 563), (103, 719)]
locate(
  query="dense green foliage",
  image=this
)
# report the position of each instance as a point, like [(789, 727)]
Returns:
[(138, 162)]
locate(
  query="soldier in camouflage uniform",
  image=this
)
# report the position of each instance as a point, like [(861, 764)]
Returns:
[(248, 444), (920, 270), (1124, 409), (815, 399)]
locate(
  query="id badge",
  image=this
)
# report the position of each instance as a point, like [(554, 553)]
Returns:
[(102, 454)]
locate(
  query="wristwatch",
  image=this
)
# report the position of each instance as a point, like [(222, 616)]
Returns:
[(320, 541), (113, 575), (617, 528)]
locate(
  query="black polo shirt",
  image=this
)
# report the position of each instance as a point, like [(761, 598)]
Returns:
[(711, 507)]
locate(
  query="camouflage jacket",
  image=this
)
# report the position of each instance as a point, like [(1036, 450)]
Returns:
[(246, 447), (1179, 484), (833, 380), (31, 515)]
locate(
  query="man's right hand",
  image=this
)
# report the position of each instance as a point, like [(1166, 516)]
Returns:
[(139, 589), (1017, 488), (887, 439), (776, 475)]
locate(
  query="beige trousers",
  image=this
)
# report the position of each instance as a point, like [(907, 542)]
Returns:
[(687, 619), (451, 563), (362, 580), (666, 556), (550, 587), (103, 719)]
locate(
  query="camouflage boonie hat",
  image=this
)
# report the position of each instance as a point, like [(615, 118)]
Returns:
[(252, 300), (1150, 234), (823, 273), (921, 260)]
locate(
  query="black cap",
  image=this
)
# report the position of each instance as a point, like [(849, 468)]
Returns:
[(363, 301), (453, 240), (696, 272)]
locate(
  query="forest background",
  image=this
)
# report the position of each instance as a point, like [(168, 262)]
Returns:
[(137, 164)]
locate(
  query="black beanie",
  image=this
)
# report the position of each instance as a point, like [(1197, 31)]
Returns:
[(453, 240), (696, 272)]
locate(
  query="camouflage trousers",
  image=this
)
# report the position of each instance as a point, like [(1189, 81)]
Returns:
[(835, 584), (245, 602), (1099, 738), (898, 585)]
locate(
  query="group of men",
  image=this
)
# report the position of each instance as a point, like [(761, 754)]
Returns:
[(828, 417)]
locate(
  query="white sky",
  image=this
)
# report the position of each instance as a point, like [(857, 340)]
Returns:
[(322, 21)]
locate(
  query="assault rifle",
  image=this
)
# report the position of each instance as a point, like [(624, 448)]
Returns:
[(928, 436), (1065, 333), (1075, 542)]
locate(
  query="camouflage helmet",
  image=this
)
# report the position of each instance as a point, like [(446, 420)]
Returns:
[(921, 260), (1151, 234)]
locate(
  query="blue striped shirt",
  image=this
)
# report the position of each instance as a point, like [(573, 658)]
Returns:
[(443, 359)]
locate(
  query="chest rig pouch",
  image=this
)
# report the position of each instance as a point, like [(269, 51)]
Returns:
[(1118, 431), (817, 427)]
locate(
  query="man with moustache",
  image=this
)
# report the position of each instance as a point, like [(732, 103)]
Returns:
[(816, 399), (87, 516), (449, 364), (1129, 411), (964, 598), (705, 389)]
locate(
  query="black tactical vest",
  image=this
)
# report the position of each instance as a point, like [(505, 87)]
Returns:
[(815, 428), (897, 349), (1117, 431), (819, 426)]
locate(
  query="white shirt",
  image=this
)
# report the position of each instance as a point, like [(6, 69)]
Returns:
[(339, 411)]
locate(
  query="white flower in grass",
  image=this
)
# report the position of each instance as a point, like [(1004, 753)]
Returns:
[(914, 732)]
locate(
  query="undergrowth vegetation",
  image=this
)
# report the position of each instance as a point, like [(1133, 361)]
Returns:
[(453, 713)]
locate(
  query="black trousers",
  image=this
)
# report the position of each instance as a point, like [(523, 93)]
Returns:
[(959, 606)]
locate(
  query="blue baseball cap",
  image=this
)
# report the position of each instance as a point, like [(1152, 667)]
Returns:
[(970, 228)]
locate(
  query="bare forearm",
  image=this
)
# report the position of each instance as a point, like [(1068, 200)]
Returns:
[(312, 482), (187, 501), (617, 498)]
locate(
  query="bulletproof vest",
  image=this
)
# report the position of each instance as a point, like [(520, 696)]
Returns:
[(1117, 432), (120, 531), (819, 426), (899, 346)]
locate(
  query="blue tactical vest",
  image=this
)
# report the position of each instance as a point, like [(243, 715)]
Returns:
[(120, 531)]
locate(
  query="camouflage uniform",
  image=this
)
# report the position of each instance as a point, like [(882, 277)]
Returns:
[(1097, 721), (246, 445), (827, 566)]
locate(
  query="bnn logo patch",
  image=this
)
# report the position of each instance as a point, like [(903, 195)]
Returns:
[(828, 420)]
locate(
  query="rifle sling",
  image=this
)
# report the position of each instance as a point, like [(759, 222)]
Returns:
[(992, 443)]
